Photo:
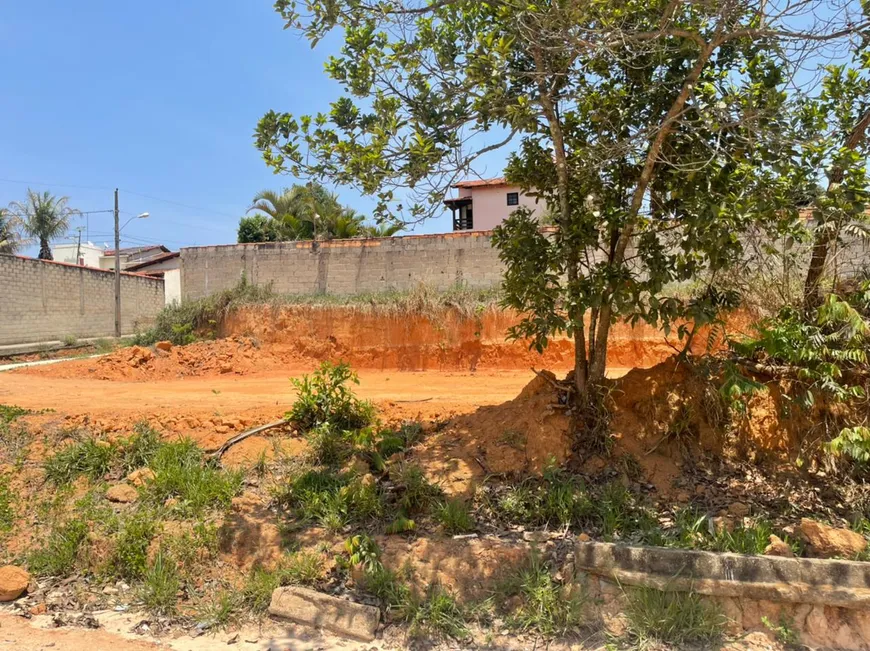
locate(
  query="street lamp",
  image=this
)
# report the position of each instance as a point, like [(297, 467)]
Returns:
[(118, 228)]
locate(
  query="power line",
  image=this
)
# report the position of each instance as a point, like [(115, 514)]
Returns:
[(178, 203)]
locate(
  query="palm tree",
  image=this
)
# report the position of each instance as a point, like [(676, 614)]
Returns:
[(10, 237), (44, 217), (382, 230)]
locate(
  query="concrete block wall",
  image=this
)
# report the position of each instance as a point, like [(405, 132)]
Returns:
[(47, 301), (345, 266)]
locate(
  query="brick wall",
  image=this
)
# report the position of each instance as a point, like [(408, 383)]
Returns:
[(47, 301), (345, 266)]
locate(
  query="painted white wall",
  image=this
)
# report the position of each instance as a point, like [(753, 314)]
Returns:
[(172, 285), (90, 253)]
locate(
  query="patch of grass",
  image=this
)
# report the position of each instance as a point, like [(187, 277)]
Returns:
[(7, 511), (70, 340), (140, 449), (301, 568), (103, 346), (60, 555), (325, 397), (547, 607), (332, 499), (439, 616), (513, 438), (393, 592), (220, 610), (455, 516), (327, 446), (417, 494), (91, 457), (671, 618), (129, 558), (8, 413), (182, 472), (784, 631), (557, 499), (160, 585)]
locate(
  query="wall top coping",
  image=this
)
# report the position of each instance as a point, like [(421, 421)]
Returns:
[(77, 266)]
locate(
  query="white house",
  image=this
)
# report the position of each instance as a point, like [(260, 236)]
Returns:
[(482, 205), (85, 254)]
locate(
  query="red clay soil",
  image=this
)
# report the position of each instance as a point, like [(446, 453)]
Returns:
[(265, 339)]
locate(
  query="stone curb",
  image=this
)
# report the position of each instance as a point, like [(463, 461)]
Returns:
[(321, 610), (794, 580)]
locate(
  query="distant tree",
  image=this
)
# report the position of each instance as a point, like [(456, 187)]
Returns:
[(44, 217), (304, 212), (382, 230), (10, 236), (257, 228)]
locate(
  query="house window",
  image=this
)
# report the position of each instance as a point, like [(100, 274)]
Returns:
[(513, 198)]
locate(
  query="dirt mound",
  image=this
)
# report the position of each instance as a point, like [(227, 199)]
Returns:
[(231, 356), (517, 437)]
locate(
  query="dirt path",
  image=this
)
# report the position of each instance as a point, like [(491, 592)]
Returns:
[(431, 392)]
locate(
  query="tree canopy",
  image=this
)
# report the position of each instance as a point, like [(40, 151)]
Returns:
[(44, 217), (305, 212), (659, 131)]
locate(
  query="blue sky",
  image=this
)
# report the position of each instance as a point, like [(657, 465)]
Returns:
[(159, 99)]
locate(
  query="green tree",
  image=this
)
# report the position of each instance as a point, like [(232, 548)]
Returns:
[(44, 217), (650, 127), (257, 228), (10, 237)]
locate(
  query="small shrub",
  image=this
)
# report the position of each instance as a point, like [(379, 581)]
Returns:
[(70, 341), (455, 516), (671, 618), (547, 608), (325, 397), (130, 557), (181, 472), (59, 557), (363, 550), (90, 457), (401, 525), (417, 494), (258, 589), (327, 446), (332, 499), (7, 512), (302, 568), (160, 585)]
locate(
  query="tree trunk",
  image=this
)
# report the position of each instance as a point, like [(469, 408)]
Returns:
[(823, 239), (45, 250)]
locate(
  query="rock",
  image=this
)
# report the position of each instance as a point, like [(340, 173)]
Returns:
[(536, 536), (778, 547), (738, 510), (140, 477), (37, 610), (226, 368), (683, 497), (122, 493), (317, 609), (720, 524), (13, 582), (828, 542), (584, 537), (165, 346)]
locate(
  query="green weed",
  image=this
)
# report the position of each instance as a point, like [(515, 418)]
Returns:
[(60, 555), (324, 397), (140, 449), (332, 499), (220, 610), (129, 559), (671, 618), (455, 516), (547, 608), (417, 494), (90, 457), (8, 413), (160, 585), (301, 568), (783, 631), (182, 472), (439, 616), (7, 511)]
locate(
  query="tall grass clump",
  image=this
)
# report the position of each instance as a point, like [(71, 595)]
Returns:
[(60, 555), (91, 457), (671, 618)]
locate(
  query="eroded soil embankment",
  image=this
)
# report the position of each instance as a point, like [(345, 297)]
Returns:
[(447, 340)]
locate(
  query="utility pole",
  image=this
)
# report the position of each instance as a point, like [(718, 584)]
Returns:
[(79, 247), (117, 270)]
